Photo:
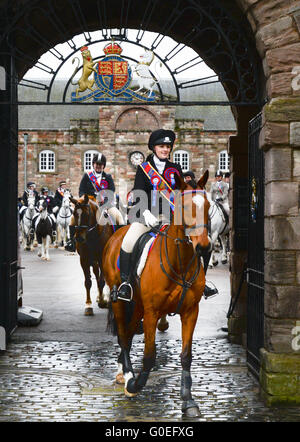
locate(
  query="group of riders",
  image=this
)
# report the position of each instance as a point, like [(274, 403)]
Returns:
[(154, 177), (53, 203)]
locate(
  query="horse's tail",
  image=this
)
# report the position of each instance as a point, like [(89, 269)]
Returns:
[(111, 325)]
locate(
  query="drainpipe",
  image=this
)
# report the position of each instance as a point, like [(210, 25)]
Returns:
[(25, 159)]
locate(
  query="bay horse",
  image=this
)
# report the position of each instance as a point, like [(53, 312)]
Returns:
[(172, 282), (63, 220), (93, 228)]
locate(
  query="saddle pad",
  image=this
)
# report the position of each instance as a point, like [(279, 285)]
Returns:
[(142, 250)]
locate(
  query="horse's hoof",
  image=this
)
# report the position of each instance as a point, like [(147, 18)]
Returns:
[(127, 394), (210, 266), (120, 378), (102, 304), (163, 326), (88, 311), (224, 261), (215, 263)]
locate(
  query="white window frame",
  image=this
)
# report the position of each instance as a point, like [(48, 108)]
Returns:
[(89, 153), (47, 161), (224, 161), (184, 162)]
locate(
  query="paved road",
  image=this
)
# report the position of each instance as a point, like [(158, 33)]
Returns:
[(63, 369)]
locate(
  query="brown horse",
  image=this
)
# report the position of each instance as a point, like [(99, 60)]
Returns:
[(172, 281), (91, 237)]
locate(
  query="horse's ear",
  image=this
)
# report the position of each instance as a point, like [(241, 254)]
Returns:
[(86, 198), (74, 201), (180, 183), (203, 180)]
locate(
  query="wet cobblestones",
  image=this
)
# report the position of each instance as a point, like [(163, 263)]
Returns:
[(74, 382)]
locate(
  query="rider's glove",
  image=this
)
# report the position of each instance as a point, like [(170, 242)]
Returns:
[(150, 219)]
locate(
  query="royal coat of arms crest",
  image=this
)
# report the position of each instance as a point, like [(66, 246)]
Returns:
[(112, 78)]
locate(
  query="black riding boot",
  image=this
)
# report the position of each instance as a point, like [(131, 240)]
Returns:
[(208, 292), (54, 234), (70, 246), (125, 291)]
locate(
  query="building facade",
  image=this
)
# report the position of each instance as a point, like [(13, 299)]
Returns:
[(121, 133)]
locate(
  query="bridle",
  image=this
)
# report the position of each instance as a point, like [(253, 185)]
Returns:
[(180, 278), (89, 227), (188, 230)]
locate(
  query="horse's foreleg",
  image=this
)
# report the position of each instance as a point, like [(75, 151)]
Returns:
[(224, 250), (134, 385), (88, 284), (47, 245), (188, 320), (100, 284)]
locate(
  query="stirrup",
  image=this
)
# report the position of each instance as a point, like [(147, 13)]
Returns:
[(213, 292), (131, 292)]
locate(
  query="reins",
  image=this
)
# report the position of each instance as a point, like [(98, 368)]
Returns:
[(181, 279)]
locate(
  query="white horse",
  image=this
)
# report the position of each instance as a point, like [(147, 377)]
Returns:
[(219, 230), (26, 224), (63, 220)]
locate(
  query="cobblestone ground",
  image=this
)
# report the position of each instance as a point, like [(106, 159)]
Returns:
[(73, 382)]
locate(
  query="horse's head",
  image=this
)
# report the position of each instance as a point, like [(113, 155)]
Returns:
[(66, 199), (191, 212), (84, 214), (31, 201), (42, 205)]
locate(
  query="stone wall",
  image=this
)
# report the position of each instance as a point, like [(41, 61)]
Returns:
[(276, 27)]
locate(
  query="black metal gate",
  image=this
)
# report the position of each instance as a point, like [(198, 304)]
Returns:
[(8, 197), (255, 271)]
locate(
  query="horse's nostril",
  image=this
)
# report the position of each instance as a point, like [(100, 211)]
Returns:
[(201, 249)]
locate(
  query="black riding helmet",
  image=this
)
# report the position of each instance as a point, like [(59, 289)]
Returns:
[(44, 189), (99, 158), (161, 136)]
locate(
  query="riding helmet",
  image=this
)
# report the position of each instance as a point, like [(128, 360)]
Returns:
[(189, 173), (99, 158), (44, 189), (161, 136), (62, 182), (30, 184), (218, 173)]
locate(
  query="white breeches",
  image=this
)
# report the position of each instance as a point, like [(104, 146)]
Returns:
[(116, 215), (134, 232)]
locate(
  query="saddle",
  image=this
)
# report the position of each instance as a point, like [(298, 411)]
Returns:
[(141, 250), (226, 217)]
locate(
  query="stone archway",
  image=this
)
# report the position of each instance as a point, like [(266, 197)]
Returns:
[(271, 30)]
